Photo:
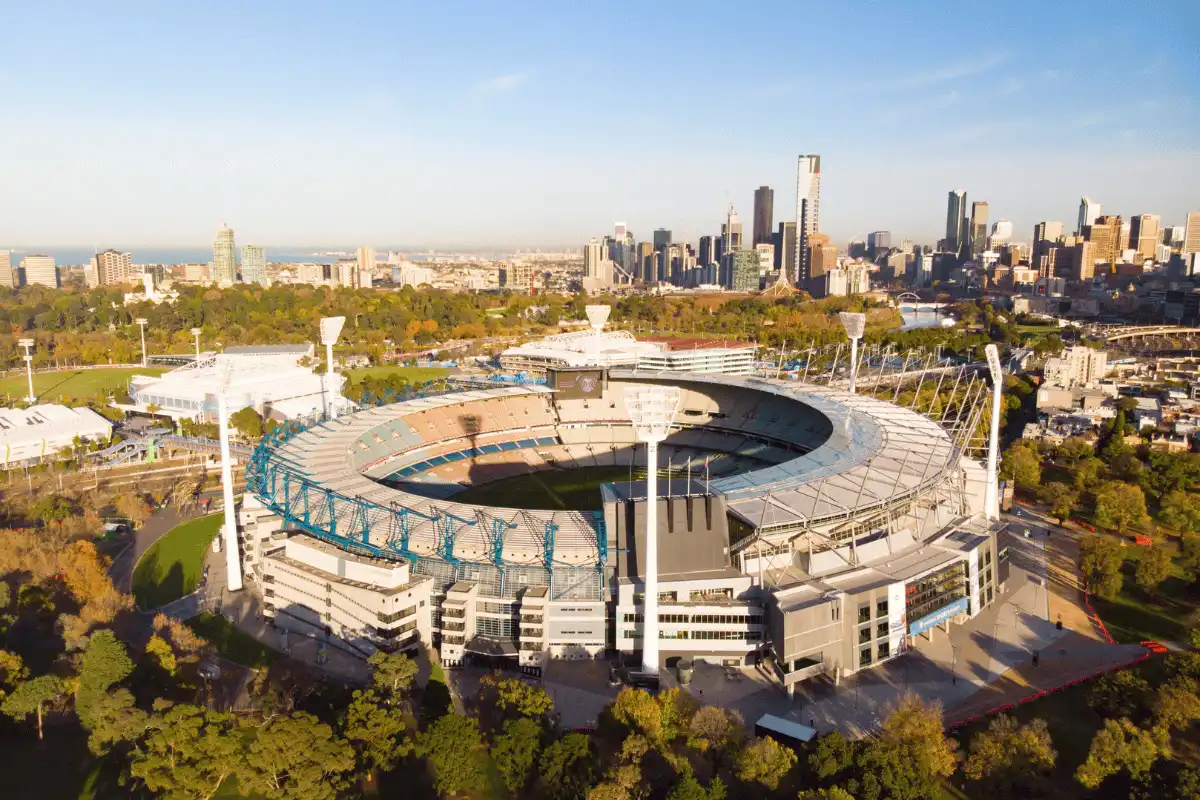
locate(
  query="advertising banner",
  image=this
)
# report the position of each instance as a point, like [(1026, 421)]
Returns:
[(944, 613)]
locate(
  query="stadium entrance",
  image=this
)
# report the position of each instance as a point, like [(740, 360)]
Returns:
[(491, 653)]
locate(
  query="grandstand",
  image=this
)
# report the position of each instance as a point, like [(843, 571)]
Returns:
[(792, 507)]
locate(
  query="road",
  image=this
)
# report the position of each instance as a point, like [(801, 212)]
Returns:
[(161, 521)]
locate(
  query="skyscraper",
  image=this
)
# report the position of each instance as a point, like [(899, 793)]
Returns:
[(224, 263), (956, 212), (1045, 236), (662, 238), (645, 259), (6, 271), (620, 229), (764, 215), (1143, 235), (731, 231), (254, 264), (785, 247), (808, 211), (823, 257), (879, 240), (743, 271), (1088, 212), (592, 258), (979, 227), (1104, 234), (1191, 233), (112, 267), (366, 259), (40, 269), (707, 254)]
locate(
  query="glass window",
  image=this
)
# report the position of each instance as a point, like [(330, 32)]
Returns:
[(864, 635), (864, 613), (881, 630), (884, 650), (881, 608), (864, 657)]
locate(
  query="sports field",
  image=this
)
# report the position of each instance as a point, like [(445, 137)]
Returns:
[(575, 489), (410, 374), (171, 567), (50, 387)]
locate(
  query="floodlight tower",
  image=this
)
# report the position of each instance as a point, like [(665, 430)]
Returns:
[(331, 329), (141, 321), (855, 325), (652, 410), (28, 345), (196, 333), (233, 563), (597, 315), (991, 498)]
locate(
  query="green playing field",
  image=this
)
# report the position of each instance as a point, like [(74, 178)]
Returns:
[(575, 489)]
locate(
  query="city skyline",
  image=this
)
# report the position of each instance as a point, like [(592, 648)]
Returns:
[(370, 149)]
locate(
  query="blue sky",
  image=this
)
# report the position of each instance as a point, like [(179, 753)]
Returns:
[(540, 124)]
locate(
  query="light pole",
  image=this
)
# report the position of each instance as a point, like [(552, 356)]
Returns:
[(651, 409), (597, 315), (855, 325), (28, 344), (331, 329), (233, 564), (196, 333), (141, 321), (991, 498)]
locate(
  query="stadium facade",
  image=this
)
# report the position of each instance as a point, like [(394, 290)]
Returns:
[(619, 349), (822, 529)]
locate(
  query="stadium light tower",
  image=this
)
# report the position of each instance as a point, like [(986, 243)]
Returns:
[(855, 325), (652, 410), (597, 316), (331, 329), (28, 345), (991, 497), (233, 564), (141, 321), (196, 333)]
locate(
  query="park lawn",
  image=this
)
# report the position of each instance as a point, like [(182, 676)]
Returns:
[(171, 568), (410, 374), (73, 384), (574, 489), (231, 643), (1136, 615)]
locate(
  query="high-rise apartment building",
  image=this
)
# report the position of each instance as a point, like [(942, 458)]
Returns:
[(785, 247), (1002, 231), (366, 259), (879, 240), (619, 231), (1143, 235), (764, 215), (1088, 212), (662, 238), (1042, 256), (731, 231), (112, 267), (808, 213), (707, 254), (1191, 233), (224, 263), (1104, 234), (517, 277), (1083, 261), (979, 227), (743, 271), (822, 256), (254, 264), (645, 260), (956, 214), (7, 279), (592, 256), (40, 269)]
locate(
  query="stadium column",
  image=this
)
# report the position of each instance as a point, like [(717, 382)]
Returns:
[(233, 562), (991, 501)]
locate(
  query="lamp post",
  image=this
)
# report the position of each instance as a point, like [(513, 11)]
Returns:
[(597, 315), (651, 409), (196, 333), (331, 329), (233, 564), (28, 345), (991, 498), (855, 325), (141, 321)]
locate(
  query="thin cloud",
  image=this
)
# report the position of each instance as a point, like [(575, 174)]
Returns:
[(1011, 86), (501, 84), (953, 71)]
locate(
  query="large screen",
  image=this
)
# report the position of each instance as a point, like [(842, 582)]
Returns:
[(572, 384)]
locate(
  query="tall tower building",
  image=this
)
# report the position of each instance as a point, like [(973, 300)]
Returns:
[(591, 258), (707, 254), (619, 231), (1144, 234), (731, 231), (1191, 233), (41, 270), (979, 227), (785, 247), (112, 267), (254, 264), (1088, 212), (224, 263), (956, 211), (7, 279), (1045, 236), (808, 212), (1104, 234), (764, 215)]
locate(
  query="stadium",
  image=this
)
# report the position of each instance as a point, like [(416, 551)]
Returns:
[(821, 529)]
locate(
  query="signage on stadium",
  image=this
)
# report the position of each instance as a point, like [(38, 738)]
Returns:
[(944, 613), (571, 384)]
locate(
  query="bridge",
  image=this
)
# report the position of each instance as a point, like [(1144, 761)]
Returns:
[(146, 446), (910, 301), (1130, 332)]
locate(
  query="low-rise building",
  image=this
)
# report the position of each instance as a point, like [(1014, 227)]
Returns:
[(30, 434)]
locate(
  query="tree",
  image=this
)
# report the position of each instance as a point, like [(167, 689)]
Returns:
[(1088, 472), (12, 671), (832, 793), (454, 754), (713, 729), (1100, 560), (1177, 703), (1123, 693), (392, 673), (161, 653), (917, 728), (1074, 449), (374, 729), (113, 718), (1120, 505), (1121, 746), (1181, 511), (515, 751), (765, 761), (103, 663), (248, 423), (833, 755), (1061, 499), (34, 696), (1153, 567), (566, 767), (296, 757), (1007, 754), (637, 710), (54, 509), (188, 753), (517, 696), (1023, 466), (1171, 472), (688, 788)]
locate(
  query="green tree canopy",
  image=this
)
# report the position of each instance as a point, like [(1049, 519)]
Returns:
[(1100, 560), (247, 422), (34, 697), (1181, 511), (375, 729), (765, 761), (454, 754), (296, 757), (1120, 505), (1009, 754), (515, 751), (187, 753), (1153, 567), (1023, 466), (566, 767), (1061, 499), (1120, 746), (392, 673), (104, 662)]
